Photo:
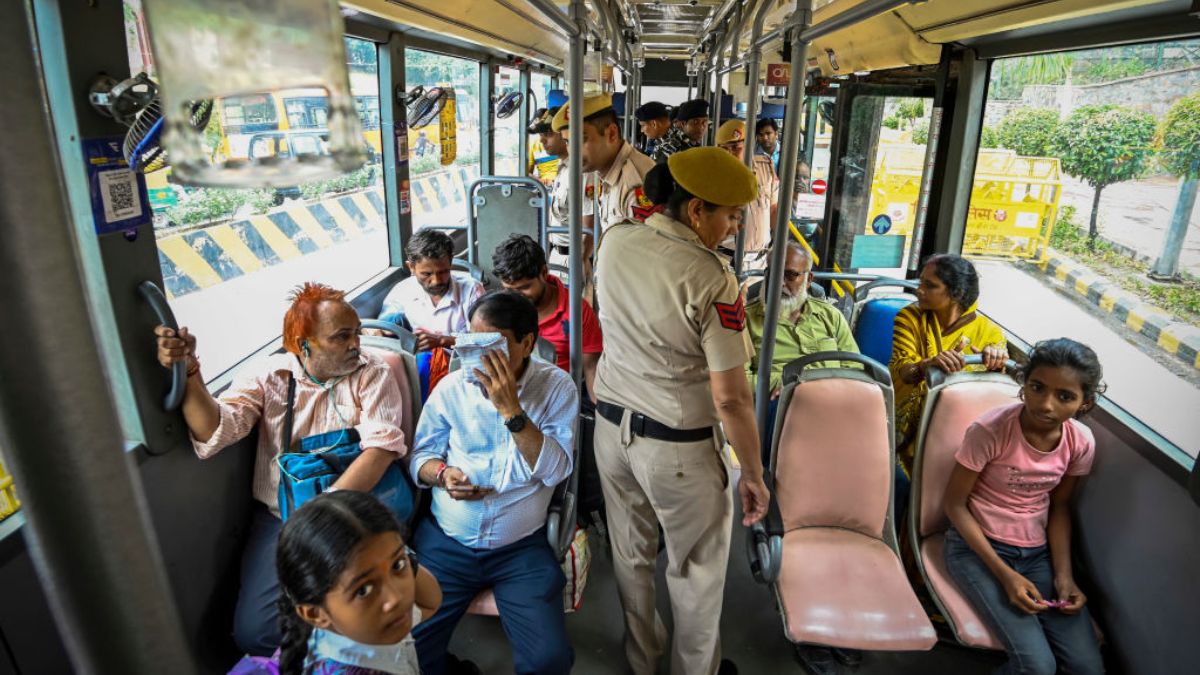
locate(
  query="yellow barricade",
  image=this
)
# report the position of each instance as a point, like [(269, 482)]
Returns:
[(8, 494), (1014, 200)]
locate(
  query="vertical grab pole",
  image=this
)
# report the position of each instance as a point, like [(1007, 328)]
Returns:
[(800, 20), (575, 203), (760, 16), (714, 100)]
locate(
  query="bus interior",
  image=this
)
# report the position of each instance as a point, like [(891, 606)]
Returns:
[(123, 554)]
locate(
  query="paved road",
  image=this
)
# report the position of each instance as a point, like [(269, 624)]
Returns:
[(1146, 388), (1137, 214)]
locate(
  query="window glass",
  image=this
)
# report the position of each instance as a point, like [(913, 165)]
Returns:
[(1086, 169), (439, 191), (230, 258), (539, 83), (881, 182), (508, 129)]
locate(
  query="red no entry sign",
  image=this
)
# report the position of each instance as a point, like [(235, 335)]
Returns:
[(819, 186)]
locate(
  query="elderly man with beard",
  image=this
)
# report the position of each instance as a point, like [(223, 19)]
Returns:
[(334, 387), (806, 326), (433, 300)]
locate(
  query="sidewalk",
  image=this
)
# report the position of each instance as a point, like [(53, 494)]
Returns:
[(1181, 340)]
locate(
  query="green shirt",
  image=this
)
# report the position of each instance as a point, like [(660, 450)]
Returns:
[(821, 328)]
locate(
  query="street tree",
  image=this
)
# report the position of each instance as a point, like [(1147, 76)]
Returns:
[(1102, 145), (1029, 131), (1179, 147)]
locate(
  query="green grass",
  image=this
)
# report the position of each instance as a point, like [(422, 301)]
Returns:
[(1181, 299)]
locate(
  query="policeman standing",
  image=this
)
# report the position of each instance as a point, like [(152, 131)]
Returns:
[(672, 369), (621, 167), (731, 137), (654, 121)]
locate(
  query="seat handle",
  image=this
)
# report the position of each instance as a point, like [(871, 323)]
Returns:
[(935, 376), (879, 372), (408, 341), (154, 297)]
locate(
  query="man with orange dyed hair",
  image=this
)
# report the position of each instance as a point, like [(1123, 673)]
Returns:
[(338, 388)]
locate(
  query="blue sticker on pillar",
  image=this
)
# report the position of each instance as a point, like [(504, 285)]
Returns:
[(119, 197), (877, 252), (882, 224)]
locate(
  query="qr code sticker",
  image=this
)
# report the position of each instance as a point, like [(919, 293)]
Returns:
[(119, 192)]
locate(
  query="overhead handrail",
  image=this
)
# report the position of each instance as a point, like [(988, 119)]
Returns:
[(552, 12), (935, 376), (154, 297)]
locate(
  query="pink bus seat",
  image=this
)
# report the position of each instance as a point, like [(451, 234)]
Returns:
[(484, 604), (404, 369), (949, 409), (831, 538)]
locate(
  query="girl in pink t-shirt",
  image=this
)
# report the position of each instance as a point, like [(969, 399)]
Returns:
[(1009, 549)]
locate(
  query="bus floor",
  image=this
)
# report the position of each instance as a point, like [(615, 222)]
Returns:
[(751, 631)]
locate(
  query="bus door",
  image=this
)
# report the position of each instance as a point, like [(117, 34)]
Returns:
[(877, 168)]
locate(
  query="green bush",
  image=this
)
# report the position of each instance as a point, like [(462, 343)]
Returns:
[(344, 183), (911, 109), (1031, 132), (988, 138), (205, 205), (891, 122), (1179, 138), (1109, 70), (920, 132)]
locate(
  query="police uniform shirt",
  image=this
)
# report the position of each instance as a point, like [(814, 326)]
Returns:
[(622, 197), (758, 225), (560, 193), (672, 314)]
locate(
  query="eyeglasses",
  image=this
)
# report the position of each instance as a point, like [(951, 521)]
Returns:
[(792, 275)]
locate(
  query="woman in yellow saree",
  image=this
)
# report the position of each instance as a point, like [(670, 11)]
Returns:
[(938, 330)]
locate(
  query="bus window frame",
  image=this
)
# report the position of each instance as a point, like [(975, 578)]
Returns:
[(945, 228)]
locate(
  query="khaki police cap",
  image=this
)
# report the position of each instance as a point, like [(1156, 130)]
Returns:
[(592, 105), (731, 131), (714, 175)]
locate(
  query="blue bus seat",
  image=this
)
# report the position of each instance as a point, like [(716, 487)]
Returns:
[(874, 322)]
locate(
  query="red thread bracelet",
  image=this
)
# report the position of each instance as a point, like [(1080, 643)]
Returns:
[(437, 479)]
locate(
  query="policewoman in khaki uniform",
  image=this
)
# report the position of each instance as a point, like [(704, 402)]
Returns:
[(673, 368)]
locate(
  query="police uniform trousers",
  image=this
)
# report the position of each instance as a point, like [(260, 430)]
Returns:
[(684, 487)]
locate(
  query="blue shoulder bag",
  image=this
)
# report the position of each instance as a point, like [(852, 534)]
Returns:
[(322, 459)]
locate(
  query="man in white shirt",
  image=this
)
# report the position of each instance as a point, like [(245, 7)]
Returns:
[(493, 452), (433, 300)]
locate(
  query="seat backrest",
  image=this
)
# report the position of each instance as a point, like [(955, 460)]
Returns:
[(499, 211), (404, 369), (949, 410), (833, 461), (544, 350), (874, 320)]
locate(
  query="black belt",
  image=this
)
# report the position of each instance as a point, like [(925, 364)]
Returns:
[(649, 428)]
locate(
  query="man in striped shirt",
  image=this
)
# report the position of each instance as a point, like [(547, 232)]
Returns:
[(337, 387)]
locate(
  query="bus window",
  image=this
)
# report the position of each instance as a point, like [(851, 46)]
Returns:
[(229, 258), (508, 130), (539, 83), (882, 169), (1081, 179), (439, 192)]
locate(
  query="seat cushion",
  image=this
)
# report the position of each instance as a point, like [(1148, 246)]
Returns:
[(969, 627), (845, 589), (484, 604)]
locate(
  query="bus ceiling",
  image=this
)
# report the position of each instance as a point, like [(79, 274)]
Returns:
[(914, 32)]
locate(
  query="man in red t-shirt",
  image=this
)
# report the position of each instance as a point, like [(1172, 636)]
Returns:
[(520, 265)]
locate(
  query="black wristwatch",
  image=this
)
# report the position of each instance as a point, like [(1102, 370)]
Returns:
[(516, 423)]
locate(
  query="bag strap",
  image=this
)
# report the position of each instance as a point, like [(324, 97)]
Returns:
[(285, 443)]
